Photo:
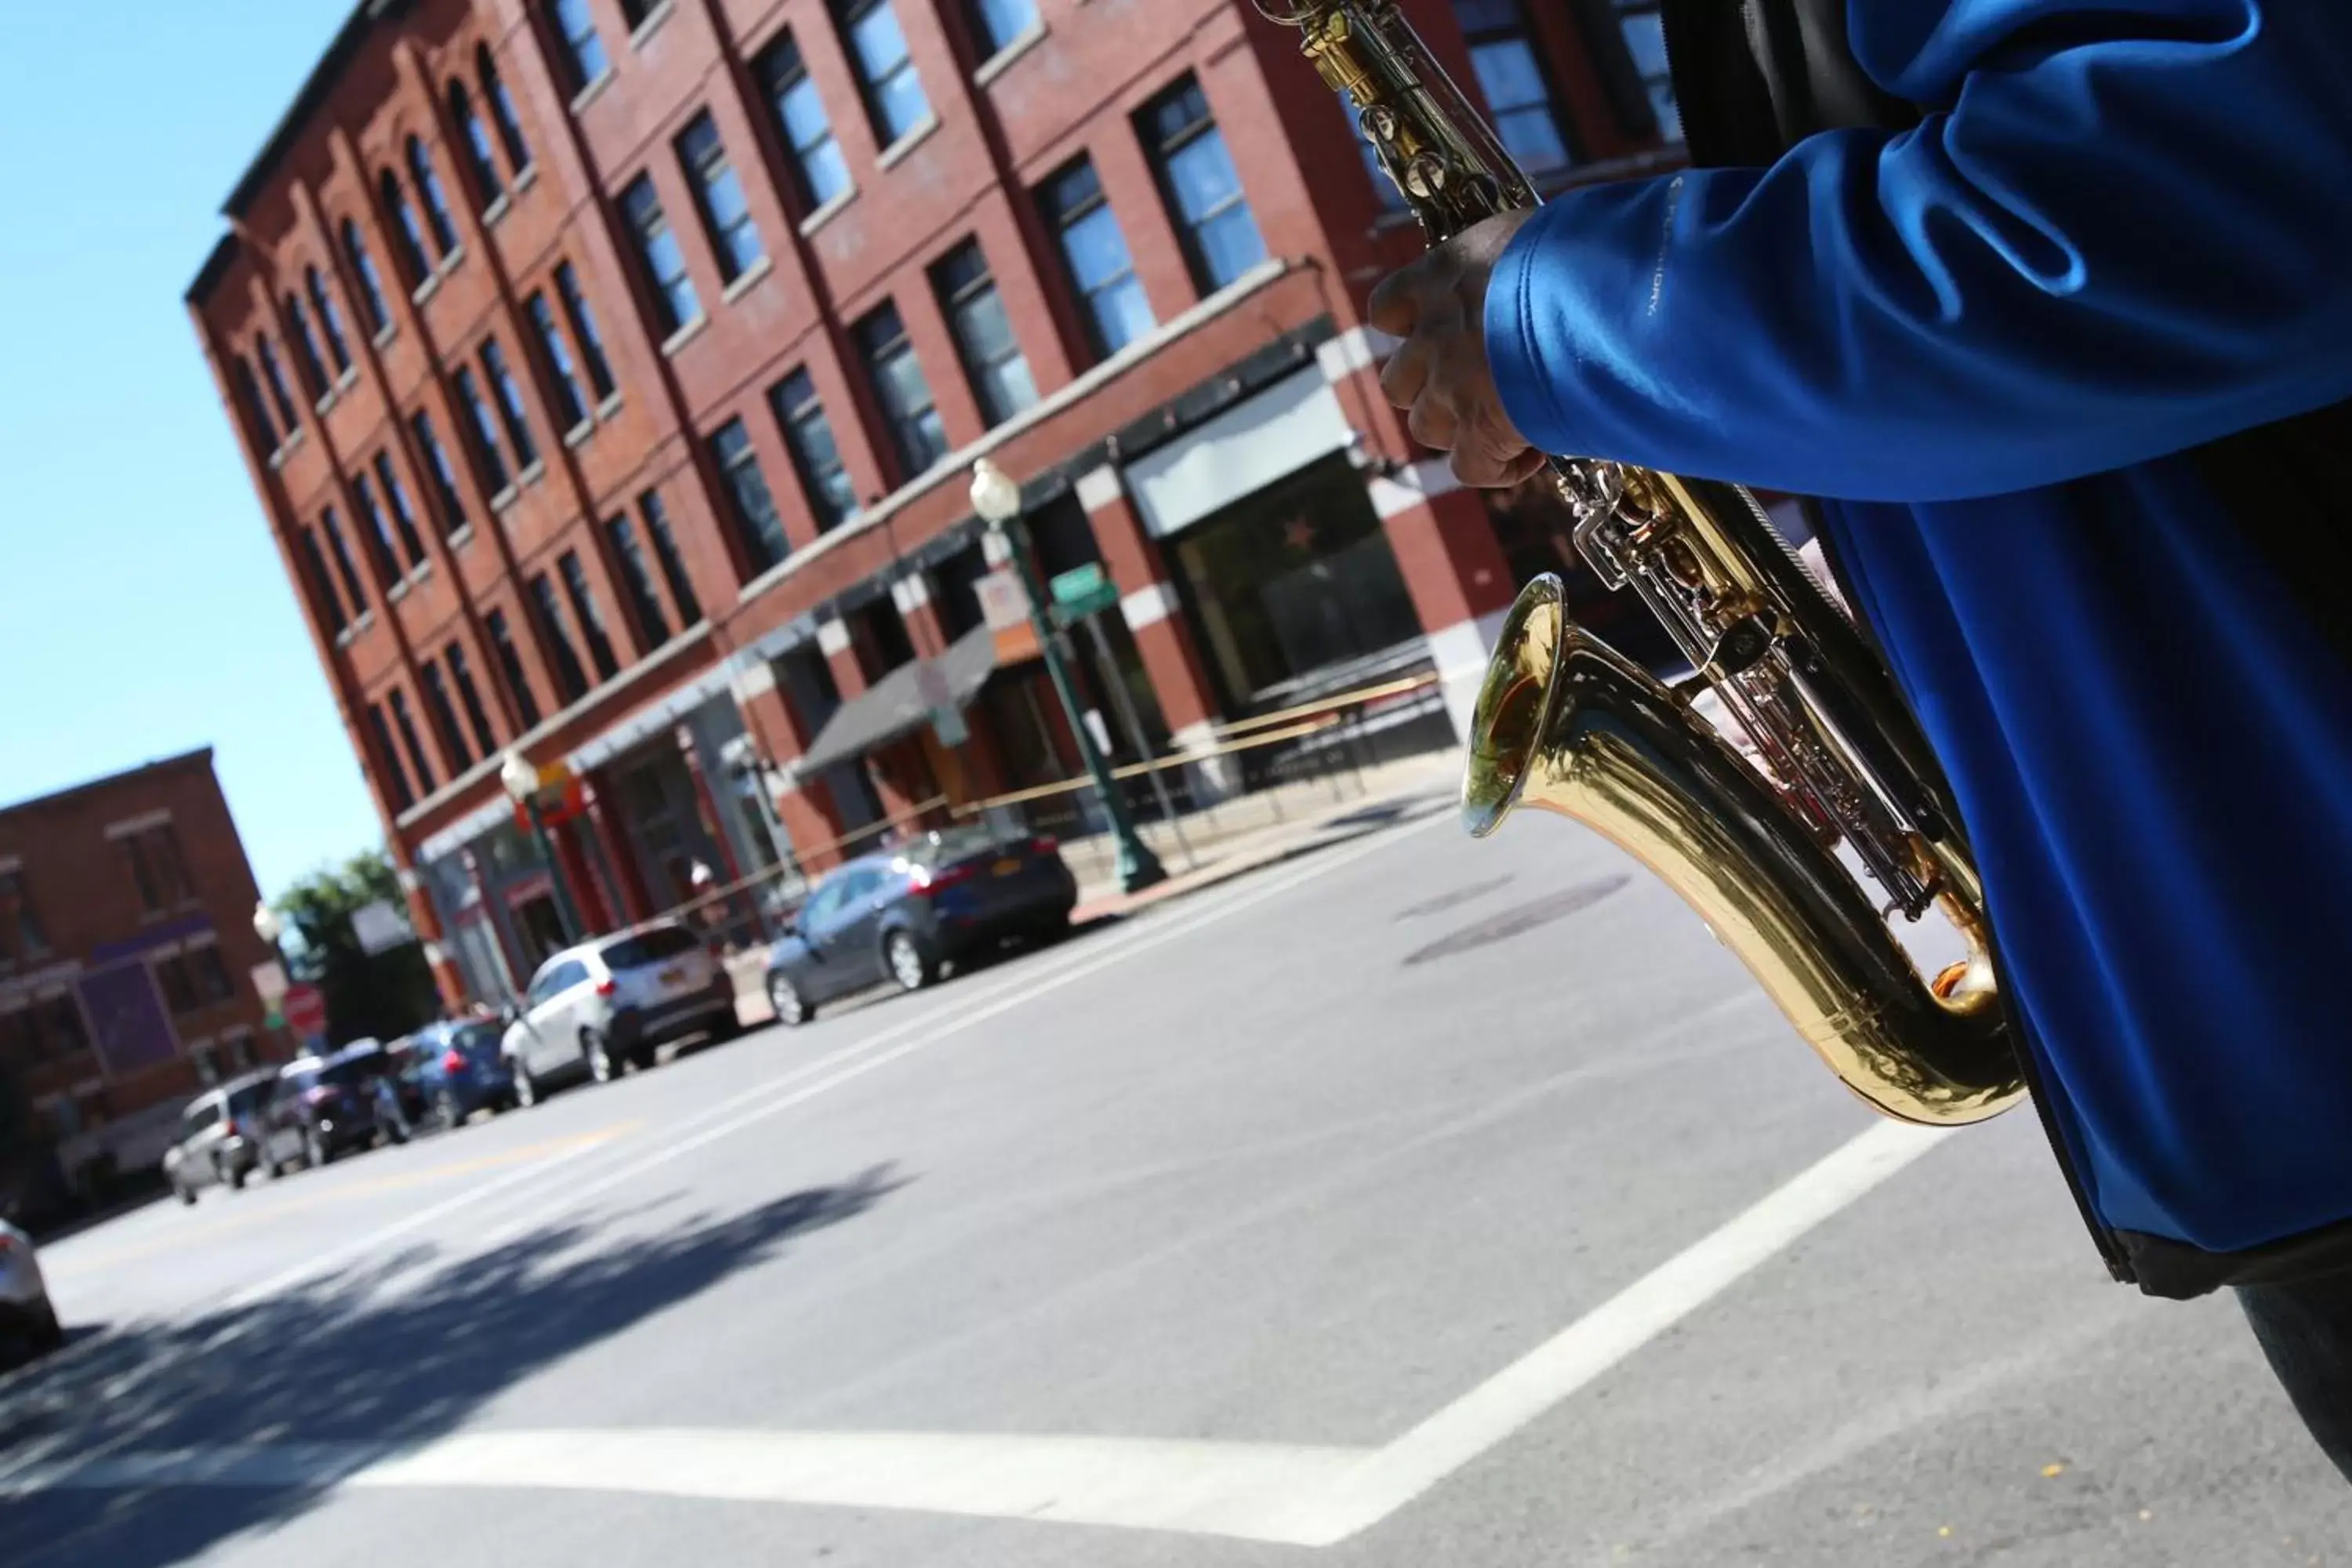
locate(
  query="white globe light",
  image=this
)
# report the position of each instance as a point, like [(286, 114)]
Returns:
[(517, 775), (993, 494)]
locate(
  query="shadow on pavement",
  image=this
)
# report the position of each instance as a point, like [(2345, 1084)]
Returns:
[(397, 1349)]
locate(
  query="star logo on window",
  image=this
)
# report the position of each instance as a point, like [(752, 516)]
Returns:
[(1299, 533)]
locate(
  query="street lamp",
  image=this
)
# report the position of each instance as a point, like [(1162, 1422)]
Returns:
[(269, 925), (998, 500), (520, 780)]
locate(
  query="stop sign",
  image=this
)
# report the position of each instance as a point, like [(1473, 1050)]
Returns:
[(305, 1008)]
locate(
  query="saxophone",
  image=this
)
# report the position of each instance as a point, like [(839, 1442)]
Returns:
[(1564, 723)]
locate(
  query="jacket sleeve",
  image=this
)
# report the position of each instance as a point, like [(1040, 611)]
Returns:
[(2130, 233)]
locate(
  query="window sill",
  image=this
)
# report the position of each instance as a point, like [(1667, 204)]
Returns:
[(461, 537), (383, 338), (593, 91), (994, 65), (349, 379), (420, 572), (825, 214), (506, 497), (397, 591), (577, 437), (646, 28), (534, 472), (526, 177), (449, 262), (746, 280), (683, 336), (895, 153), (608, 408), (497, 209), (426, 290), (285, 452), (327, 400)]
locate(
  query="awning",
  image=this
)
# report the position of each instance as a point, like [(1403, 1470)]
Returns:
[(896, 706)]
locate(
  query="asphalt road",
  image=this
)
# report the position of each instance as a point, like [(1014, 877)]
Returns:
[(1414, 1203)]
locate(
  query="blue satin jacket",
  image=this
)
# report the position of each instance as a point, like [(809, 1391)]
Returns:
[(2123, 230)]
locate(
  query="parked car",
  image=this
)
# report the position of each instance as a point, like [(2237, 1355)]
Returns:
[(456, 1069), (324, 1106), (221, 1136), (593, 1008), (901, 914), (27, 1321)]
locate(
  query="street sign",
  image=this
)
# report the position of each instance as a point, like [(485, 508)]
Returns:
[(305, 1007), (1003, 605), (1082, 591), (269, 981), (380, 928)]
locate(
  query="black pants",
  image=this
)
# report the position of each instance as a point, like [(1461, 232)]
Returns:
[(2306, 1330)]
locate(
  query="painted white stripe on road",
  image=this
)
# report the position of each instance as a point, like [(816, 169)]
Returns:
[(1299, 1496)]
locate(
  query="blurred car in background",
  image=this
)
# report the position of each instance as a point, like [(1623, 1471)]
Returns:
[(899, 915), (455, 1068), (324, 1106), (28, 1323), (223, 1137), (593, 1008)]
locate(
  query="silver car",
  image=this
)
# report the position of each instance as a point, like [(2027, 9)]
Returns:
[(28, 1324), (593, 1008)]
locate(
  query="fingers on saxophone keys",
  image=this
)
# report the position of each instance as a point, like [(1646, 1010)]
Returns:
[(1407, 372)]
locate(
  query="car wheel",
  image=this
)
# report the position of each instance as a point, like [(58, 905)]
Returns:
[(599, 1053), (526, 1088), (187, 1194), (48, 1334), (912, 965), (790, 1006), (231, 1177), (264, 1167), (315, 1153), (445, 1106)]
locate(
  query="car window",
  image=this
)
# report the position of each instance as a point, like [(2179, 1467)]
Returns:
[(955, 844), (474, 1038), (823, 903), (559, 979), (250, 1098), (198, 1117), (649, 947)]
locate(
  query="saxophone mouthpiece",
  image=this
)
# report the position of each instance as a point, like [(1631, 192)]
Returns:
[(1516, 704)]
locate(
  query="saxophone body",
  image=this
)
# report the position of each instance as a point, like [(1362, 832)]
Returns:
[(1840, 772)]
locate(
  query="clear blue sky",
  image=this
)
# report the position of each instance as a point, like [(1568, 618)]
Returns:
[(142, 608)]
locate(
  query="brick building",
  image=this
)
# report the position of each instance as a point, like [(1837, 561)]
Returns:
[(126, 955), (612, 370)]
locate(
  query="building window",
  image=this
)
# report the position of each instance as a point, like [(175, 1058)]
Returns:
[(410, 740), (345, 567), (323, 601), (591, 619), (1511, 74), (312, 368), (754, 509), (998, 23), (275, 375), (179, 987), (404, 516), (992, 360), (510, 657), (886, 71), (570, 676), (673, 564), (1197, 177), (330, 320), (213, 982), (557, 359), (249, 403), (815, 456), (583, 327), (1095, 251), (408, 235), (436, 464), (637, 580), (1645, 44), (502, 110), (157, 868), (387, 760), (817, 162), (657, 248), (916, 433), (372, 297), (444, 715), (583, 49), (437, 205), (470, 697), (509, 392), (479, 160), (378, 535), (718, 197), (22, 941), (489, 462)]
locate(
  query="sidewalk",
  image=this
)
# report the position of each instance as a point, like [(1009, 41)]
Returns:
[(1309, 819)]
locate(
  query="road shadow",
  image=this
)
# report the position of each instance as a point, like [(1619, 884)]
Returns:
[(392, 1349)]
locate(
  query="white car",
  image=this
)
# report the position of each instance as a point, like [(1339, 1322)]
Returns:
[(28, 1323), (593, 1008)]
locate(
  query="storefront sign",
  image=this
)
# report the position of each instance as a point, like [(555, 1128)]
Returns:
[(1266, 437)]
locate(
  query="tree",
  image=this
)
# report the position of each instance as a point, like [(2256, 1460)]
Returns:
[(384, 995)]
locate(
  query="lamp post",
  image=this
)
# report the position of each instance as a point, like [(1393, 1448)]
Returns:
[(522, 781), (997, 499)]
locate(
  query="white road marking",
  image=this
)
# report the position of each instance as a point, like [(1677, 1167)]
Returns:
[(1281, 1494)]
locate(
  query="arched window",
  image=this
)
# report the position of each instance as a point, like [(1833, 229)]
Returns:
[(371, 299), (483, 166), (408, 237), (313, 369), (330, 320), (502, 110), (437, 205), (275, 376), (249, 403)]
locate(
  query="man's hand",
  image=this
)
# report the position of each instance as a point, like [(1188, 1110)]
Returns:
[(1438, 307)]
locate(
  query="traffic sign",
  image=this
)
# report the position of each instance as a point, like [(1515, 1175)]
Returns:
[(1082, 591), (305, 1007)]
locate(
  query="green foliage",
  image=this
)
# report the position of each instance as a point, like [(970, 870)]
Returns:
[(384, 995)]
